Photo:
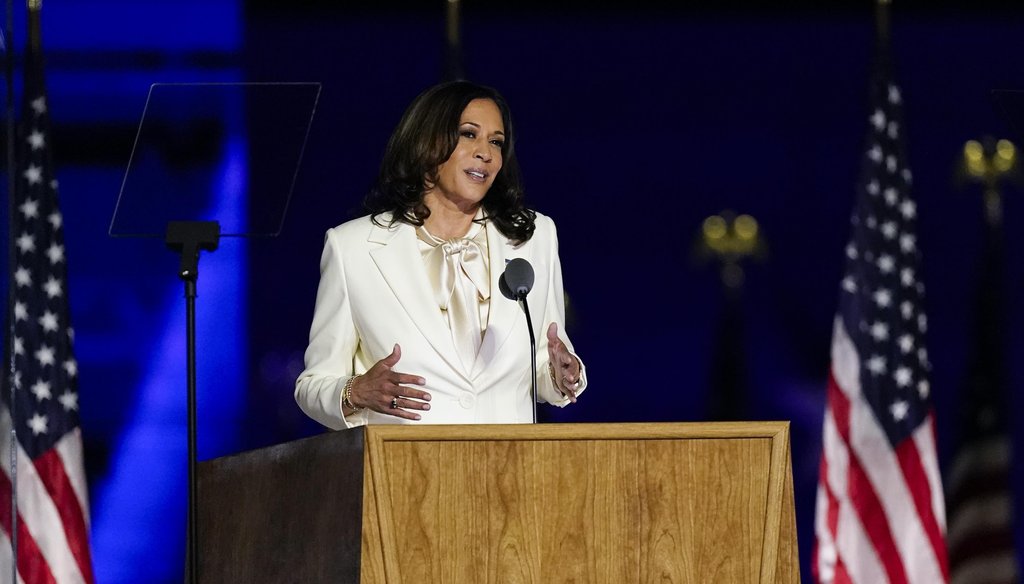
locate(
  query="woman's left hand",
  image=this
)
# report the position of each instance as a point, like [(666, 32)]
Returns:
[(565, 368)]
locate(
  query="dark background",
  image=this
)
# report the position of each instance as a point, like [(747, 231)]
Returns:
[(635, 121)]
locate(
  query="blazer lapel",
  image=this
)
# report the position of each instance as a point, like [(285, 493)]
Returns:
[(401, 266), (504, 312)]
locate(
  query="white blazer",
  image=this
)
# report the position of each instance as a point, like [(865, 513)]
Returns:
[(374, 292)]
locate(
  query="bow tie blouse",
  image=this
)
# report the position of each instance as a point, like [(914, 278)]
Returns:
[(460, 277)]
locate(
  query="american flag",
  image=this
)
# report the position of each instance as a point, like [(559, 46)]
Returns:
[(981, 548), (52, 503), (879, 510)]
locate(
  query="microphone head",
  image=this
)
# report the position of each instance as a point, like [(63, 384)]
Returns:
[(517, 281)]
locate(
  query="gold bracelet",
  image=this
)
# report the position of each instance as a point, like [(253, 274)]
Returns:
[(346, 395), (554, 379)]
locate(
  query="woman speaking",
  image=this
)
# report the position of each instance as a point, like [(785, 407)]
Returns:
[(409, 324)]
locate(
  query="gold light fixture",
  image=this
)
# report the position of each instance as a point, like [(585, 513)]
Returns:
[(989, 162), (730, 239)]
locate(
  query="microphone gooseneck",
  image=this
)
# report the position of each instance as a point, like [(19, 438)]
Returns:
[(515, 284)]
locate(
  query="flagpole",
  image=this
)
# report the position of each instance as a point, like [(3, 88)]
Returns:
[(453, 42), (11, 258), (33, 8), (882, 25)]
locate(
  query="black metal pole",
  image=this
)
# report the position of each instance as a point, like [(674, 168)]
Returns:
[(193, 500), (188, 238)]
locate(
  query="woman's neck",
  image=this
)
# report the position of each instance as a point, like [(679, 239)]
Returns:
[(447, 221)]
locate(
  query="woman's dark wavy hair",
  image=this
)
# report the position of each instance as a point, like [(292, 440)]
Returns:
[(425, 137)]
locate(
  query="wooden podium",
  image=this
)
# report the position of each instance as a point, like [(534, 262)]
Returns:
[(549, 503)]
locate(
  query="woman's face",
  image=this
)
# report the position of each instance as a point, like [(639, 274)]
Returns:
[(469, 172)]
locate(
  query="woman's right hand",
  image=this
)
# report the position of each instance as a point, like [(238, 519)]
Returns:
[(380, 389)]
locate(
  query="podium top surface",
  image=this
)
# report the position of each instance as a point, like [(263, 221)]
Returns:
[(612, 431)]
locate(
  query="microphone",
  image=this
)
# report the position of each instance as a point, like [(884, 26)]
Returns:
[(517, 281), (515, 284)]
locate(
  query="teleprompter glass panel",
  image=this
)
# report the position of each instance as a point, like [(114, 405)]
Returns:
[(225, 152)]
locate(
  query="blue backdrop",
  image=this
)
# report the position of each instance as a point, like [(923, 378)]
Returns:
[(634, 125)]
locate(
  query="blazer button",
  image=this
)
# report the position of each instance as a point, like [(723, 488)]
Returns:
[(467, 400)]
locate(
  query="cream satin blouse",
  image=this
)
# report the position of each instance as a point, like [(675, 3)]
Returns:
[(459, 274)]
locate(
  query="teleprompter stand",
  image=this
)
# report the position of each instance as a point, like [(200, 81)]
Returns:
[(211, 160), (188, 238)]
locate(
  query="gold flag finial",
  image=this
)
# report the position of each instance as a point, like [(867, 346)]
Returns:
[(34, 4)]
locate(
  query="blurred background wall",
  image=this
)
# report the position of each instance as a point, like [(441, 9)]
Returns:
[(635, 122)]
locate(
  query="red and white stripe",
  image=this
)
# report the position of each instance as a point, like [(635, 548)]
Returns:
[(53, 524), (880, 512)]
